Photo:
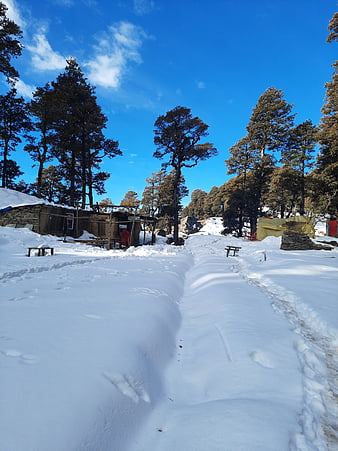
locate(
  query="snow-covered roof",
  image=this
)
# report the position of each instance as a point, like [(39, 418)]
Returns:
[(12, 198)]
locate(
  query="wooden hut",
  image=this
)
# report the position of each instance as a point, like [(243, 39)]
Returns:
[(62, 221)]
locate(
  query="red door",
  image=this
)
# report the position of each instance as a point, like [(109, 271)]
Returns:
[(333, 227)]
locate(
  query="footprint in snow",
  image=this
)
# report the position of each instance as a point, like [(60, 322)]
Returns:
[(150, 291), (128, 387), (18, 299), (28, 359), (90, 316), (262, 358)]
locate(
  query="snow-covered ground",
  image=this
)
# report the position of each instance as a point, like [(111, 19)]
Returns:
[(167, 348)]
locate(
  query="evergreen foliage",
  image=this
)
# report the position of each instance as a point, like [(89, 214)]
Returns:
[(299, 155), (274, 168), (333, 29), (151, 198), (51, 186), (78, 141), (284, 191), (130, 202), (268, 132), (270, 123), (327, 162), (42, 110), (14, 120), (197, 205), (10, 174), (10, 45), (177, 136)]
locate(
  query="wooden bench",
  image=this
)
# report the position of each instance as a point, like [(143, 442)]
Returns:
[(234, 249), (42, 250)]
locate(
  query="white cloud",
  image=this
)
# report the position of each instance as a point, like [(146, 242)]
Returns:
[(142, 7), (69, 3), (24, 89), (116, 49), (13, 13), (200, 84), (43, 56)]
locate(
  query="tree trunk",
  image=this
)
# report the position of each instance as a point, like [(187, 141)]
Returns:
[(72, 180), (4, 166), (302, 191), (176, 201)]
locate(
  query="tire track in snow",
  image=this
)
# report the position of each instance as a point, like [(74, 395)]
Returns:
[(318, 356)]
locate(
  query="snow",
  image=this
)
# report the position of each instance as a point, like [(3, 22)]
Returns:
[(11, 198), (163, 347)]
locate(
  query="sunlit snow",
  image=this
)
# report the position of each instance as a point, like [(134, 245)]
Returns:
[(166, 348)]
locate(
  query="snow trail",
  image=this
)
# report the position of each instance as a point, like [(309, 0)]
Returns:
[(318, 356), (187, 348), (233, 375)]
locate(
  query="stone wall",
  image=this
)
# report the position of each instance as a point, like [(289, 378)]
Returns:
[(297, 241), (25, 216)]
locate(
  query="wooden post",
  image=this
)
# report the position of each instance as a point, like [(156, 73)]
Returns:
[(109, 231), (132, 232)]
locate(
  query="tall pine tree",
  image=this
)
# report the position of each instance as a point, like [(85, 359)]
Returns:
[(270, 123), (177, 136), (79, 143), (267, 134), (327, 162), (42, 111), (299, 155)]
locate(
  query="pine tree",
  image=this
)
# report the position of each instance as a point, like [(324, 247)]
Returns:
[(79, 143), (10, 45), (130, 201), (233, 214), (151, 201), (299, 155), (14, 121), (177, 136), (327, 162), (243, 157), (270, 123), (333, 29), (196, 206), (51, 186), (42, 109), (12, 172), (105, 204), (285, 191), (267, 133), (169, 195)]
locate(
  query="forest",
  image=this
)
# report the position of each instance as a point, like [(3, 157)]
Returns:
[(278, 168)]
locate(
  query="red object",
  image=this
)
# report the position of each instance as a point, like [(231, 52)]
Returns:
[(125, 237), (333, 227)]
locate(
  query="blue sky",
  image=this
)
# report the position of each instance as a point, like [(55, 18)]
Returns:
[(145, 57)]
